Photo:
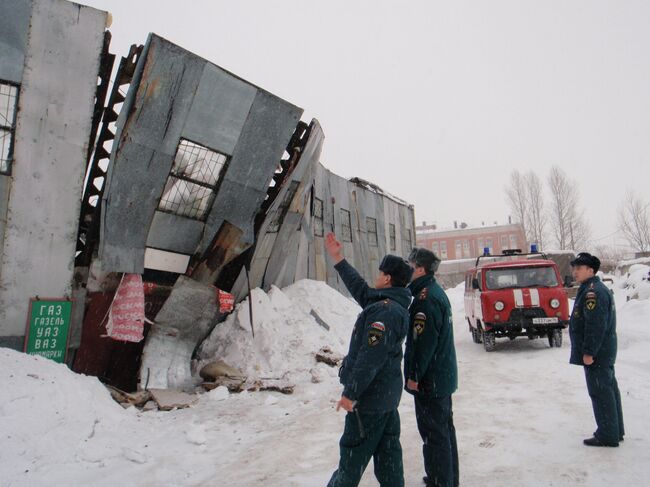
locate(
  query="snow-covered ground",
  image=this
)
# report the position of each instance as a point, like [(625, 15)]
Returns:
[(521, 412)]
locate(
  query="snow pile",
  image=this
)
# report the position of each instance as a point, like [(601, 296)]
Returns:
[(40, 400), (290, 325), (636, 282)]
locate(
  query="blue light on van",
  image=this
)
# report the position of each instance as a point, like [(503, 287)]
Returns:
[(486, 250), (533, 248)]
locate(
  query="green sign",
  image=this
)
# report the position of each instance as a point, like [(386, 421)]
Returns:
[(47, 328)]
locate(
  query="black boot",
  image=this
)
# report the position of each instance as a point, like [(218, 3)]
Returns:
[(593, 441)]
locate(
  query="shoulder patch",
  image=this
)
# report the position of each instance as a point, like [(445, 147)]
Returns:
[(374, 337), (419, 321), (378, 325), (591, 304)]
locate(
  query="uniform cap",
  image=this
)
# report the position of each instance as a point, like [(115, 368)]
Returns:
[(397, 268), (585, 258)]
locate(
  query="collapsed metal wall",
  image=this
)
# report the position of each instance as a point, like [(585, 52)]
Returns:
[(50, 53), (177, 96), (313, 202)]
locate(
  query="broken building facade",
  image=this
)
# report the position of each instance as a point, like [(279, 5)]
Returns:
[(181, 172)]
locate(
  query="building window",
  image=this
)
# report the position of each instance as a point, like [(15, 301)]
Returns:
[(192, 182), (317, 211), (465, 248), (488, 244), (504, 242), (443, 250), (513, 241), (459, 250), (8, 106), (371, 228), (434, 248), (391, 236), (275, 224), (346, 226)]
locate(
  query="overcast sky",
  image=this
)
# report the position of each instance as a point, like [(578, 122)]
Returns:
[(437, 102)]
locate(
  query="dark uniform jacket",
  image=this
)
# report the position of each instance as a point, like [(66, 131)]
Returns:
[(371, 373), (593, 324), (430, 358)]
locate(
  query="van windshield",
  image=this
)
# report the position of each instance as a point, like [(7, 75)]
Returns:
[(519, 277)]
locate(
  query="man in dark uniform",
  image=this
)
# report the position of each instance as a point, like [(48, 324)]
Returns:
[(593, 345), (371, 373), (430, 370)]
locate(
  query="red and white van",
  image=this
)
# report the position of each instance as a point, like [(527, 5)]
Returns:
[(513, 295)]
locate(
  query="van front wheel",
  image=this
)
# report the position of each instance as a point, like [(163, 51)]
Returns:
[(489, 341)]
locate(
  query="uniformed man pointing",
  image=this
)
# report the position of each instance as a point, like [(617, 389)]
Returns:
[(371, 373), (593, 345)]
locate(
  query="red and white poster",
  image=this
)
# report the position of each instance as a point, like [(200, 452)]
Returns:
[(226, 301), (126, 315)]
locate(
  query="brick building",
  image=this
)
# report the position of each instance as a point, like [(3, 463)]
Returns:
[(468, 242)]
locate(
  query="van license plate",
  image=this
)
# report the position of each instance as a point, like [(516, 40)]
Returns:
[(544, 321)]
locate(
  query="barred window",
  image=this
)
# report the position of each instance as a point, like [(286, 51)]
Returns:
[(317, 211), (371, 228), (391, 235), (8, 108), (192, 181), (346, 226), (275, 224)]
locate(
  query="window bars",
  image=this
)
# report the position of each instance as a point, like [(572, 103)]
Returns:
[(346, 226), (192, 182), (8, 105), (282, 210), (371, 226), (391, 234), (318, 217)]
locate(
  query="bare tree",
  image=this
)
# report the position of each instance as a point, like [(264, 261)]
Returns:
[(536, 217), (517, 198), (567, 220), (634, 222)]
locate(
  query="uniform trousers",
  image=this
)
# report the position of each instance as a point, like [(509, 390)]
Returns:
[(366, 436), (606, 403), (436, 425)]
